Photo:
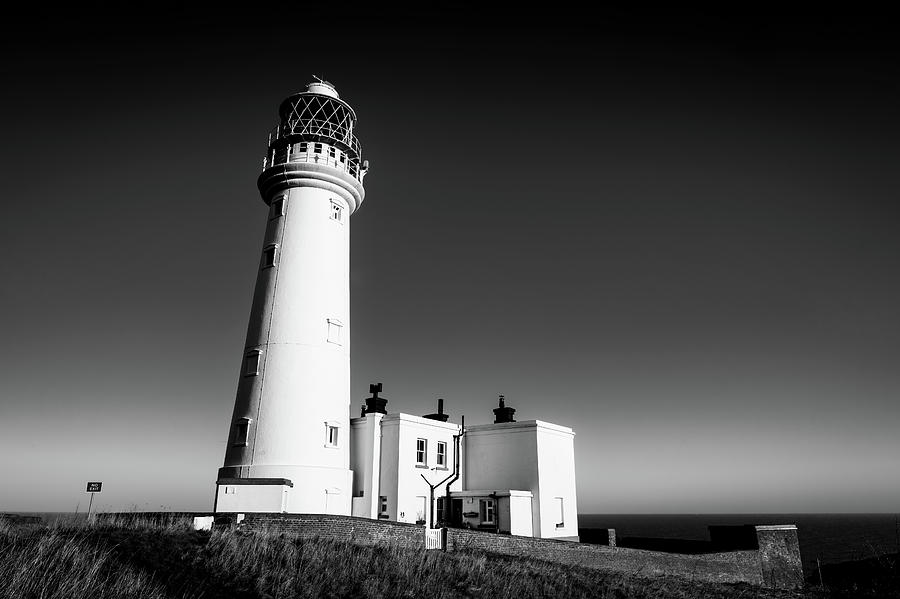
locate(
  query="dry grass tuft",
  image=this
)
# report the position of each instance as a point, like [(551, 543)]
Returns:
[(53, 564)]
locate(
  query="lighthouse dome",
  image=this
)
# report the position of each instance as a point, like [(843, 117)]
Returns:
[(323, 88)]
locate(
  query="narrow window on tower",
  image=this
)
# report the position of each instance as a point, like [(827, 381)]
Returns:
[(317, 148), (331, 152), (342, 157), (277, 208), (334, 331), (442, 454), (304, 146), (269, 255), (383, 511), (421, 452), (561, 516), (251, 362), (241, 432), (331, 434), (337, 213)]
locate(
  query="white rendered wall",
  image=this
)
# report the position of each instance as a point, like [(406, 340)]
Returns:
[(390, 441), (401, 478), (532, 455), (502, 457), (521, 520), (514, 511), (556, 469), (365, 461), (252, 498), (303, 384)]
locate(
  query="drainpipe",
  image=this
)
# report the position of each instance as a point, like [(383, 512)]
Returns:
[(456, 442), (493, 496)]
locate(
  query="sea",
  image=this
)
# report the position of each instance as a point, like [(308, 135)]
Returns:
[(830, 538)]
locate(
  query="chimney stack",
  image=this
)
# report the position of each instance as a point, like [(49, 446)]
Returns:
[(503, 414), (440, 413), (375, 404)]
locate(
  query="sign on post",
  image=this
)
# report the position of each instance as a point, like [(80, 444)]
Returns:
[(92, 487)]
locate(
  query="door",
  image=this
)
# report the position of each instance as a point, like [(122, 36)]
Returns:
[(456, 510)]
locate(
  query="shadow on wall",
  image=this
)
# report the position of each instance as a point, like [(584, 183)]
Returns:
[(721, 538)]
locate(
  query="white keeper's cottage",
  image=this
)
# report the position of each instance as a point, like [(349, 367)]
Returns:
[(292, 445)]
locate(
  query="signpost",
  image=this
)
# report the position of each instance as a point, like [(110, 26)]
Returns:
[(92, 487)]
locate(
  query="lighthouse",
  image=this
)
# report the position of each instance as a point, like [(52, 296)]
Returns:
[(288, 447)]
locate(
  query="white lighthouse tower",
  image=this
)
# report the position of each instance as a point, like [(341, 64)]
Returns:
[(288, 443)]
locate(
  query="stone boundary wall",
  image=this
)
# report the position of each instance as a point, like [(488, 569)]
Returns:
[(733, 566), (17, 520), (157, 517), (729, 567), (775, 564), (341, 528)]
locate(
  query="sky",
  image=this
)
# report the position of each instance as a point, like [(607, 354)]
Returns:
[(674, 232)]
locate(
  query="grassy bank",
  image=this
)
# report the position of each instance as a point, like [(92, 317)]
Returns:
[(155, 560)]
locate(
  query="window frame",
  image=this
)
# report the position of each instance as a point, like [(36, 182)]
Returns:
[(334, 334), (441, 454), (332, 435), (253, 353), (241, 432), (278, 207), (488, 511), (440, 511), (421, 509), (423, 452), (337, 212), (273, 248), (562, 513)]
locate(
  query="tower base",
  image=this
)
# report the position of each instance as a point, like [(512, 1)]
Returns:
[(252, 494), (308, 490)]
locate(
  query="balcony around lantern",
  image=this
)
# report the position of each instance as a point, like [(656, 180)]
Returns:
[(328, 155)]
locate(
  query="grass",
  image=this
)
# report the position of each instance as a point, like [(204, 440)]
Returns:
[(869, 578), (151, 559)]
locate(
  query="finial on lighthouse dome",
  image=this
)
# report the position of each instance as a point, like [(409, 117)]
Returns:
[(322, 87)]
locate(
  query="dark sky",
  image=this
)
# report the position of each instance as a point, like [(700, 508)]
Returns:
[(676, 233)]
